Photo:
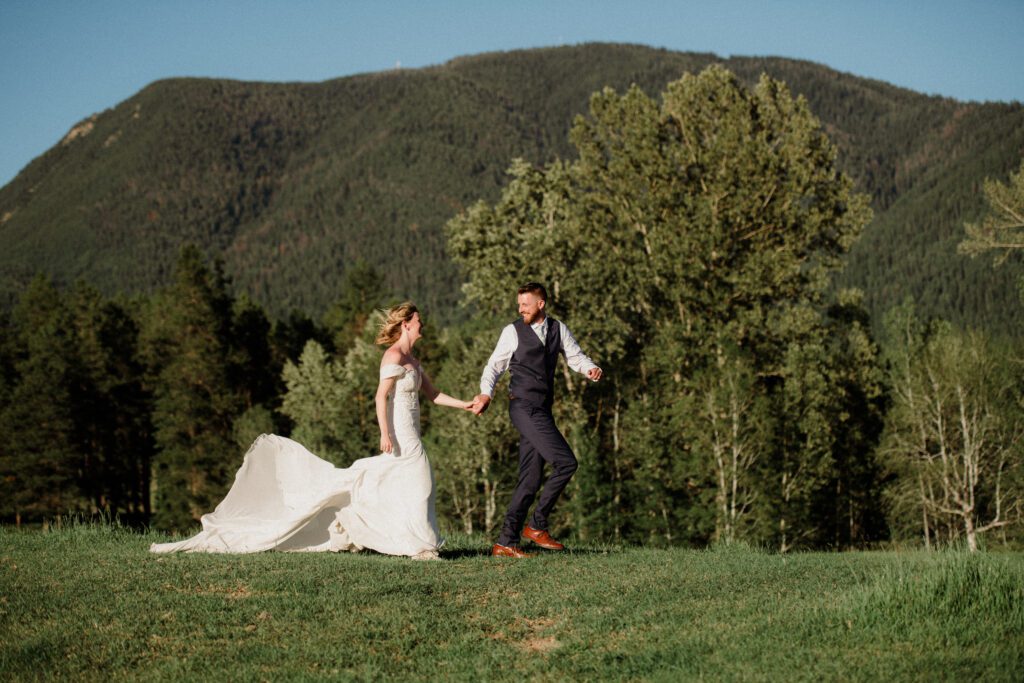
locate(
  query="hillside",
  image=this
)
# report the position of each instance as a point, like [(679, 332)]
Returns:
[(293, 183)]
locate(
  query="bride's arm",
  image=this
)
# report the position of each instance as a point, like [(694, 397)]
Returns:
[(382, 412), (442, 399)]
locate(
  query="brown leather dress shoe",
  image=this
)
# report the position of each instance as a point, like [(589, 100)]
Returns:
[(542, 538), (508, 551)]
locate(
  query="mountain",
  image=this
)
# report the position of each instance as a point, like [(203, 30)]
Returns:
[(292, 183)]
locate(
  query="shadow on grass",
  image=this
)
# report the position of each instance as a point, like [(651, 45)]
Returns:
[(462, 553)]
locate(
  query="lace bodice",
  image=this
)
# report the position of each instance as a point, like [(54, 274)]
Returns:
[(407, 381), (404, 408), (405, 393)]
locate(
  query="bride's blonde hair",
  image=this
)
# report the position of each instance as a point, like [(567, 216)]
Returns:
[(391, 327)]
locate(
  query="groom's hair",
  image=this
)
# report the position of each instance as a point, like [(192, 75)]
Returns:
[(535, 288)]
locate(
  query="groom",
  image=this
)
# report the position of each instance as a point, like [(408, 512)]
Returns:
[(528, 349)]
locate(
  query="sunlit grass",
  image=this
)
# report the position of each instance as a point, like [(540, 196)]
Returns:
[(89, 602)]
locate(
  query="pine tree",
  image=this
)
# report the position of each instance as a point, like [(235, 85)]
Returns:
[(850, 507), (331, 401), (187, 344), (114, 407), (362, 291), (42, 459), (255, 371), (316, 393)]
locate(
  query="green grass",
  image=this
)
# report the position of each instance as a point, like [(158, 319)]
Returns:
[(89, 602)]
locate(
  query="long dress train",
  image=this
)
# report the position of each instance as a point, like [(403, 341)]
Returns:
[(286, 498)]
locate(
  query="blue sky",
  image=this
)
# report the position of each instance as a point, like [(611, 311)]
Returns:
[(62, 60)]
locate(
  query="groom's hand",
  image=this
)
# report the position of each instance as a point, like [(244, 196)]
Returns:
[(480, 403), (594, 374)]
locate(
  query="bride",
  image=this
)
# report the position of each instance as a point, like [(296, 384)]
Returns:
[(286, 498)]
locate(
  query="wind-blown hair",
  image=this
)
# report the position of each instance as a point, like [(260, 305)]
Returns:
[(391, 327)]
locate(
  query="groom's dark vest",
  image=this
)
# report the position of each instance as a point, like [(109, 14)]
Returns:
[(533, 364)]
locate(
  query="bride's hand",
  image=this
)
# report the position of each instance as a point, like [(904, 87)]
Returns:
[(385, 443)]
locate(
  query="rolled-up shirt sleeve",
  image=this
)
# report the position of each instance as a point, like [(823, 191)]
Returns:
[(497, 364), (574, 356)]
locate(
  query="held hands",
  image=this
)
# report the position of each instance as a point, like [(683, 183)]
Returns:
[(480, 403)]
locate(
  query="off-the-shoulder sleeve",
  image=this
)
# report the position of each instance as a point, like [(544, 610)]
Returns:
[(392, 370)]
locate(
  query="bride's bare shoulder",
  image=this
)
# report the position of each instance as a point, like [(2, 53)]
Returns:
[(391, 357)]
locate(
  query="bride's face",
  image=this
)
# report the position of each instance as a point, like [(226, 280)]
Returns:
[(413, 327)]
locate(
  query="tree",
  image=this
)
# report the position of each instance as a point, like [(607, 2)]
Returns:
[(73, 406), (41, 457), (954, 432), (114, 407), (255, 373), (187, 343), (362, 292), (331, 401), (729, 423), (471, 456), (1002, 227), (705, 223), (850, 506), (316, 392)]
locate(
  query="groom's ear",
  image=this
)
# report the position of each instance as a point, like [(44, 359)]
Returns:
[(540, 304)]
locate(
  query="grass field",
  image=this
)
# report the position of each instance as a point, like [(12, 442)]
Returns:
[(90, 603)]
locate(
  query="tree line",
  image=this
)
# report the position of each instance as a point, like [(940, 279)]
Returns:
[(691, 245)]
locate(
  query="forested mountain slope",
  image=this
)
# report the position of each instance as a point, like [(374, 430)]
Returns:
[(294, 182)]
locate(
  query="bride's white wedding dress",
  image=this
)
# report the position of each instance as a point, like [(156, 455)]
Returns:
[(286, 498)]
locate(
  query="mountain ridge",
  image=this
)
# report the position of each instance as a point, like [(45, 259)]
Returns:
[(292, 183)]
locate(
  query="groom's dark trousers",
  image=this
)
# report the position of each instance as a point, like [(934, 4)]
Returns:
[(539, 442), (531, 391)]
